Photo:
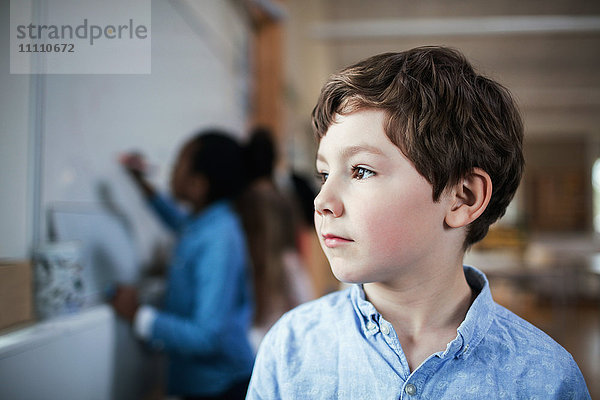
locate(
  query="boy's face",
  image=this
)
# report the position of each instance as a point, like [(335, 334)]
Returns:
[(374, 215)]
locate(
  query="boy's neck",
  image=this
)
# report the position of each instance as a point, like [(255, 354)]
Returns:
[(425, 309)]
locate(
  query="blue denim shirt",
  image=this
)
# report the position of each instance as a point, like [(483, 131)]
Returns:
[(340, 347), (208, 307)]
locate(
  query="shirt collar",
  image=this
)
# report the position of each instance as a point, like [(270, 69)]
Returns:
[(470, 332), (478, 320), (364, 309)]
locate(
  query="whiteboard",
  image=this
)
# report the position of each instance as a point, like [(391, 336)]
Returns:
[(199, 80)]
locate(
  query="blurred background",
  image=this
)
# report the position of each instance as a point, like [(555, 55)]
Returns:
[(241, 63)]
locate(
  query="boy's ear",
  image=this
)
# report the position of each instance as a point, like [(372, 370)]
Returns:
[(470, 198)]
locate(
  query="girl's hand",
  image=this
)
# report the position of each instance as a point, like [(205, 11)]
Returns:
[(125, 302)]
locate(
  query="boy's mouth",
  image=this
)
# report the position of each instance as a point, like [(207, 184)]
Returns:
[(331, 240)]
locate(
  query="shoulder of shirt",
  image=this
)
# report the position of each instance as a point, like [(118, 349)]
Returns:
[(312, 317), (526, 338)]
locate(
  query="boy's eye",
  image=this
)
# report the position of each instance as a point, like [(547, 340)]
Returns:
[(322, 177), (362, 173)]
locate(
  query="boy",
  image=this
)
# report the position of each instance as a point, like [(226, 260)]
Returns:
[(205, 322), (418, 155)]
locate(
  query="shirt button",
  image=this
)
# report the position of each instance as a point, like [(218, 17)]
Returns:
[(371, 326), (385, 329), (410, 389)]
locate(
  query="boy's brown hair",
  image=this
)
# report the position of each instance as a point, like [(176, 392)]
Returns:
[(446, 118)]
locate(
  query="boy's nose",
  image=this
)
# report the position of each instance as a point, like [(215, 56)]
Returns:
[(328, 203)]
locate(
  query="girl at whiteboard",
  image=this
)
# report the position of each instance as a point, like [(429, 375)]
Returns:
[(208, 307)]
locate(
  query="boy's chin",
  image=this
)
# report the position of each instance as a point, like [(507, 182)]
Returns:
[(349, 277)]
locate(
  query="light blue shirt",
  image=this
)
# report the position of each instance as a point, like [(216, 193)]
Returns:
[(208, 307), (340, 347)]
